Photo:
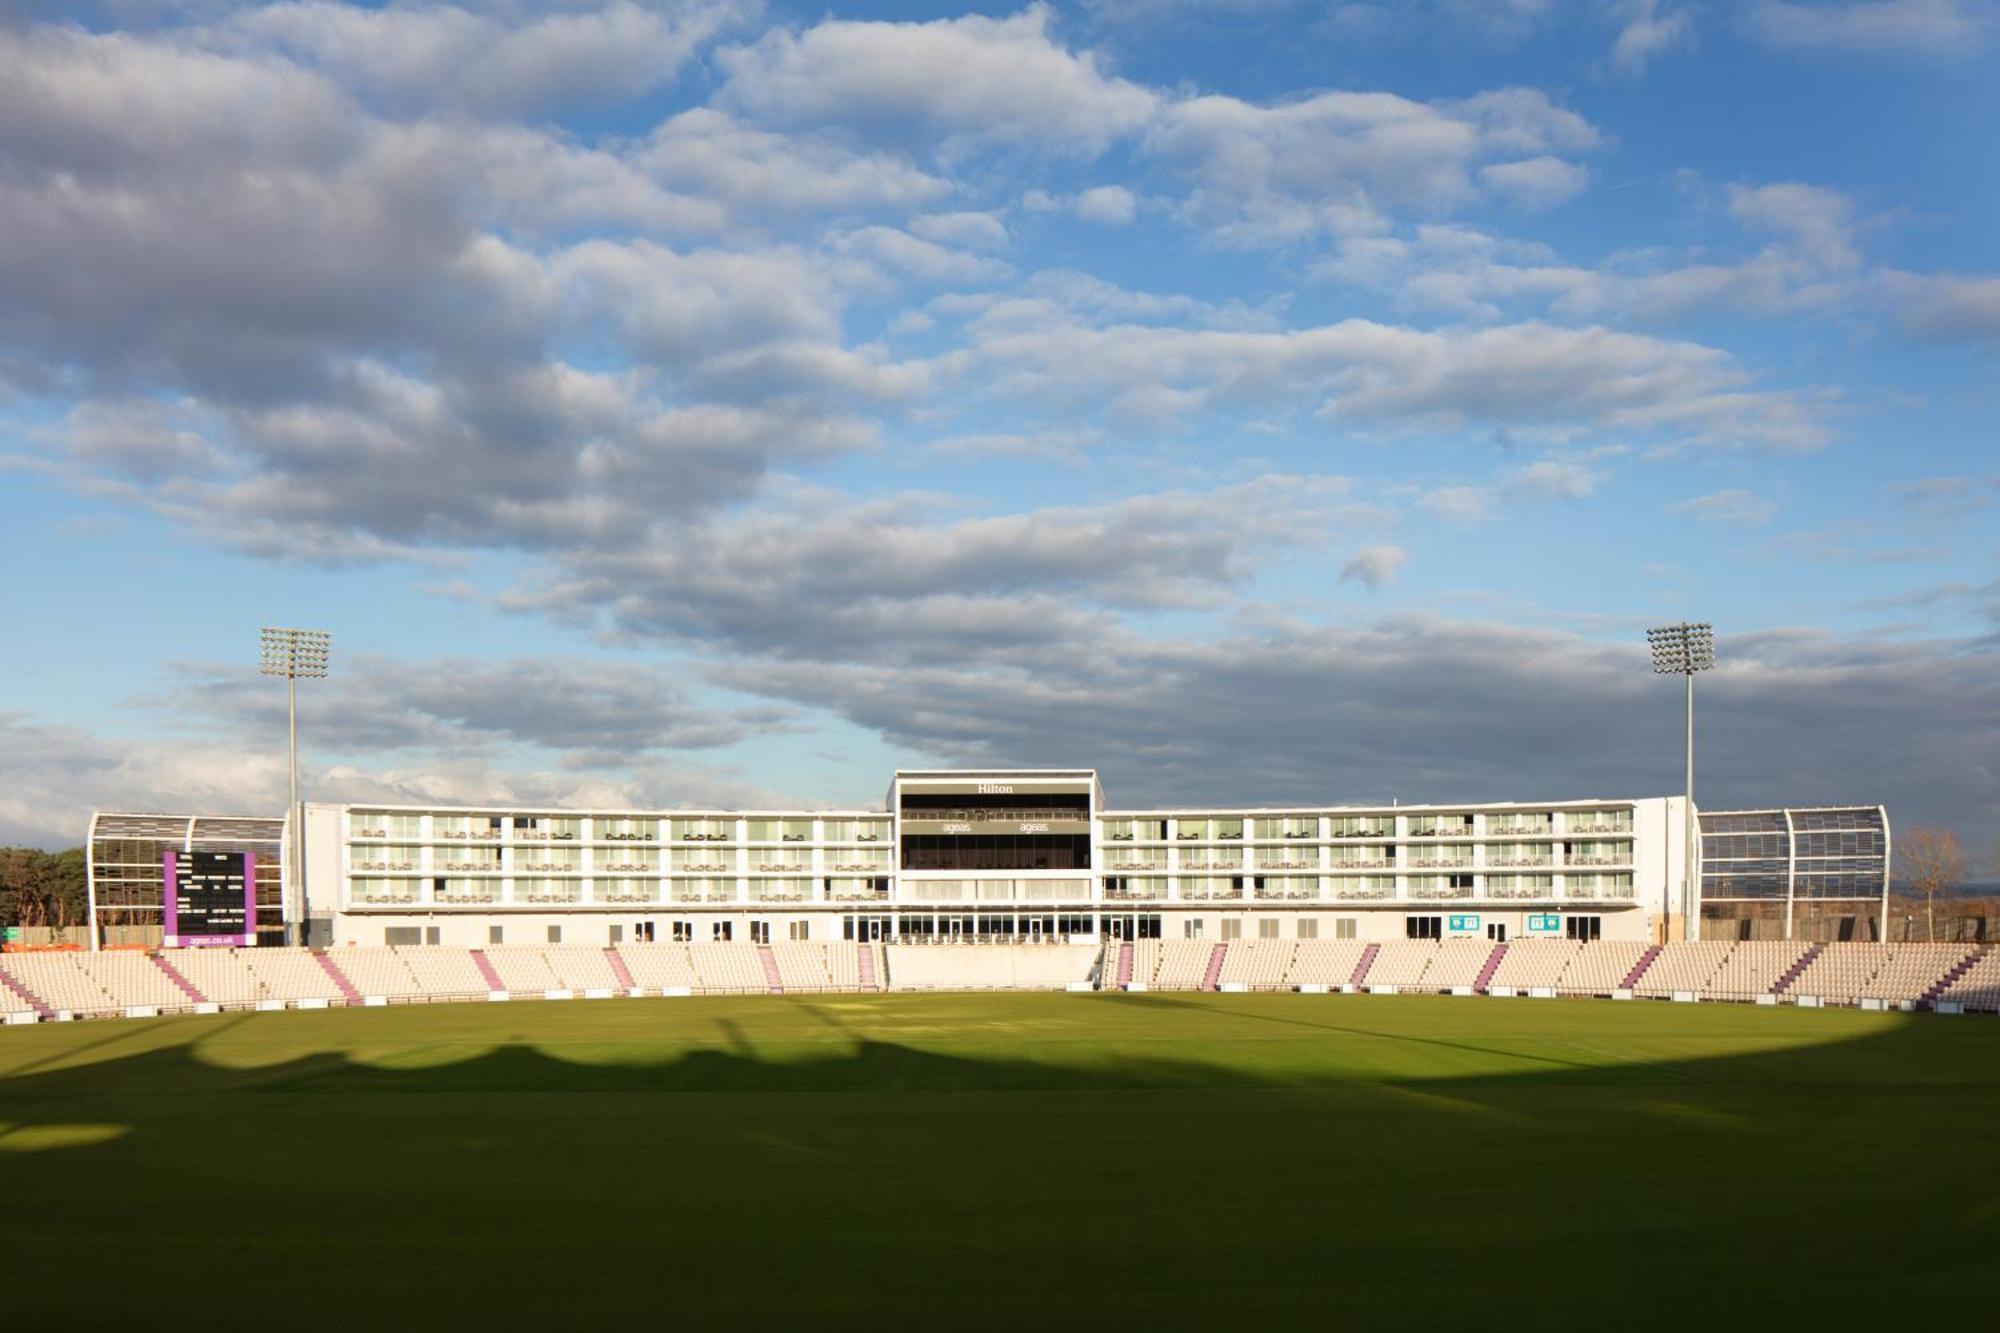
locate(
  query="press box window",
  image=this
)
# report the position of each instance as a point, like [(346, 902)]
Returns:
[(1424, 927), (1583, 927)]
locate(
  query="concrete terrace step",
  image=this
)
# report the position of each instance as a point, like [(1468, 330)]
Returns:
[(1360, 977), (174, 975), (1793, 972), (1639, 968), (338, 978)]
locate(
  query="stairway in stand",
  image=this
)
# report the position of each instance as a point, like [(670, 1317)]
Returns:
[(867, 969), (174, 975), (485, 966), (1360, 976), (1639, 968), (619, 970), (772, 980), (1779, 986), (1213, 978), (1491, 966), (1124, 964), (28, 997), (338, 978), (1958, 969)]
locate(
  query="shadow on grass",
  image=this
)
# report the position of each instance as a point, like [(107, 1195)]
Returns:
[(781, 1156), (1900, 1052)]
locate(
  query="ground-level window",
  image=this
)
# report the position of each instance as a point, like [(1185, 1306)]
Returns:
[(1344, 927), (1583, 927), (1308, 928), (1191, 928), (720, 932), (1423, 927), (394, 935), (618, 934), (1232, 928), (431, 934), (760, 932), (801, 930), (496, 934), (642, 932), (683, 932), (1267, 929), (555, 934)]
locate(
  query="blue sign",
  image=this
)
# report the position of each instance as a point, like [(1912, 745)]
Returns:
[(1544, 921), (1465, 921)]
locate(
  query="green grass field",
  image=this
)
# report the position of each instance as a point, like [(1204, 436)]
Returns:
[(1025, 1160)]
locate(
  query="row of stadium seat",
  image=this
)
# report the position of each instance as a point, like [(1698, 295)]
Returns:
[(46, 984), (1718, 970)]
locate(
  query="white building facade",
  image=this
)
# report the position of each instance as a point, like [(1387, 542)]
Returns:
[(1005, 853)]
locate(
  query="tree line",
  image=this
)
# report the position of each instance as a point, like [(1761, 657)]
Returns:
[(39, 888)]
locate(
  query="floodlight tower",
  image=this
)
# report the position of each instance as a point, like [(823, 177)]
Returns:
[(295, 654), (1682, 650)]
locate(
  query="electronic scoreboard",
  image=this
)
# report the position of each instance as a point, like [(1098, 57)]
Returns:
[(211, 899)]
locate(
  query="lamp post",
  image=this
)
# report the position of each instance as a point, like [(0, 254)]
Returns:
[(1682, 650), (295, 654)]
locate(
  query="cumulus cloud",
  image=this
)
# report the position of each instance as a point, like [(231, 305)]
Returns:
[(1818, 222), (1649, 29), (1953, 29), (1730, 506), (1374, 566), (1004, 81), (1425, 708), (1944, 305), (52, 778), (419, 56), (1536, 182), (878, 580), (1113, 205), (1338, 162), (1367, 373)]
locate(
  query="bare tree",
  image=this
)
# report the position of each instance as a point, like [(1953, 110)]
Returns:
[(1932, 862)]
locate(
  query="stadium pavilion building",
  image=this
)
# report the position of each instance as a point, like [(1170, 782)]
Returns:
[(1028, 854)]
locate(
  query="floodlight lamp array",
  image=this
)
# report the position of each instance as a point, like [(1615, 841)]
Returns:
[(299, 653), (1682, 650)]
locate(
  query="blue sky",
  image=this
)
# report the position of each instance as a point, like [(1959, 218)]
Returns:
[(715, 402)]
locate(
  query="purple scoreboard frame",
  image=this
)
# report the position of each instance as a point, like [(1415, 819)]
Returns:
[(176, 940)]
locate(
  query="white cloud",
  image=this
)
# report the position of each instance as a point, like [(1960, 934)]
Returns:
[(978, 230), (1944, 305), (1730, 506), (421, 56), (973, 78), (1372, 374), (1336, 162), (1536, 182), (1113, 205), (1950, 29), (1818, 223), (1650, 29), (1553, 479), (1374, 566)]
